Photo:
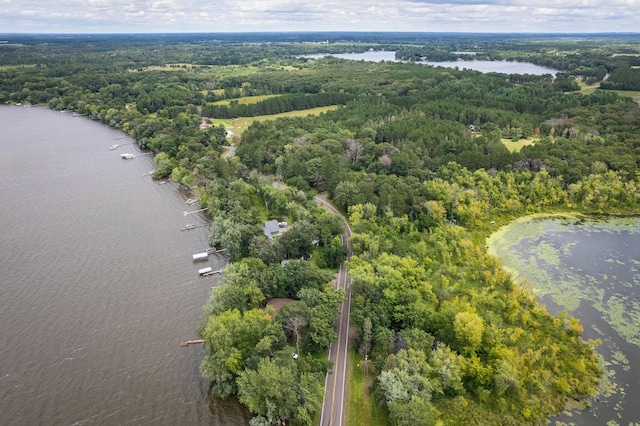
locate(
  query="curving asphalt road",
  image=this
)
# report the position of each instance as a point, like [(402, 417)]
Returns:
[(231, 152), (334, 384)]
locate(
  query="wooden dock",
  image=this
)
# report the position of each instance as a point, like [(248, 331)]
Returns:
[(190, 342)]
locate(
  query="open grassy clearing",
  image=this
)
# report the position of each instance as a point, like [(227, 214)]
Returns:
[(171, 67), (246, 100), (216, 92), (516, 146), (215, 71), (8, 67), (241, 123), (222, 122), (361, 406), (587, 90), (628, 93)]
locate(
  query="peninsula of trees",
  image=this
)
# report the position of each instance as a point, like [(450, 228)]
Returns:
[(423, 161)]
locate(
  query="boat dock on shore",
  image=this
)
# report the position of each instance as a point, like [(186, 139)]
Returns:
[(205, 254), (191, 342), (205, 272)]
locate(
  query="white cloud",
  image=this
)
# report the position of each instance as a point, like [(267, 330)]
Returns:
[(318, 15)]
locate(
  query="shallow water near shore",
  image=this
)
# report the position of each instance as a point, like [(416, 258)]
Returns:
[(590, 267), (97, 282)]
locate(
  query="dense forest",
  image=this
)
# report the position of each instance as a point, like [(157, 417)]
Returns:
[(419, 160)]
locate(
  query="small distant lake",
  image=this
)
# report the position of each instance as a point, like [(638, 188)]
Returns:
[(370, 56), (591, 268), (505, 67)]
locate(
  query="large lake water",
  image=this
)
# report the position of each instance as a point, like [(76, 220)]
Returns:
[(505, 67), (591, 268), (97, 284)]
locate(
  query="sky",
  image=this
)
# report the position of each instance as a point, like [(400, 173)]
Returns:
[(180, 16)]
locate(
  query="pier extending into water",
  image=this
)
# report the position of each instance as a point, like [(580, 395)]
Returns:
[(205, 272), (190, 342)]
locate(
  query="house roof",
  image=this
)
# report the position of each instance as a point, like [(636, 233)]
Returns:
[(271, 228)]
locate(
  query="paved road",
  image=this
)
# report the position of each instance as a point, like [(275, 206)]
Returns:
[(334, 394), (230, 153)]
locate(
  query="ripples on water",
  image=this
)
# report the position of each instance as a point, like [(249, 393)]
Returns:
[(97, 283)]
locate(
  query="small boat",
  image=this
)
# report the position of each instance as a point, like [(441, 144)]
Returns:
[(127, 156), (200, 256), (189, 226), (115, 146), (205, 271)]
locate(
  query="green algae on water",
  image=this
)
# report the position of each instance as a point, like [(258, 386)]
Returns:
[(528, 254), (589, 267)]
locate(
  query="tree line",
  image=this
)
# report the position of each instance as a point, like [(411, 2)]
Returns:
[(275, 105)]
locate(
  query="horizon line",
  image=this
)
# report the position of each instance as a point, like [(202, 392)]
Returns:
[(323, 32)]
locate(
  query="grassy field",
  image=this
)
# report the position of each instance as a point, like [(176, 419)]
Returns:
[(216, 72), (247, 100), (516, 146), (8, 67), (220, 121), (171, 67), (361, 406), (587, 90), (241, 123), (628, 93)]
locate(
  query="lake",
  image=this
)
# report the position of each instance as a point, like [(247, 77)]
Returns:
[(505, 67), (591, 268), (97, 282)]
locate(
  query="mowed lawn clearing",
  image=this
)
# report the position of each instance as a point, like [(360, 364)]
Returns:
[(247, 100), (516, 146), (241, 123), (8, 67), (635, 95), (361, 407), (587, 90), (226, 123)]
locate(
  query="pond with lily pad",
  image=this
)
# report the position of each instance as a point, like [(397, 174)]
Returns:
[(590, 267)]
